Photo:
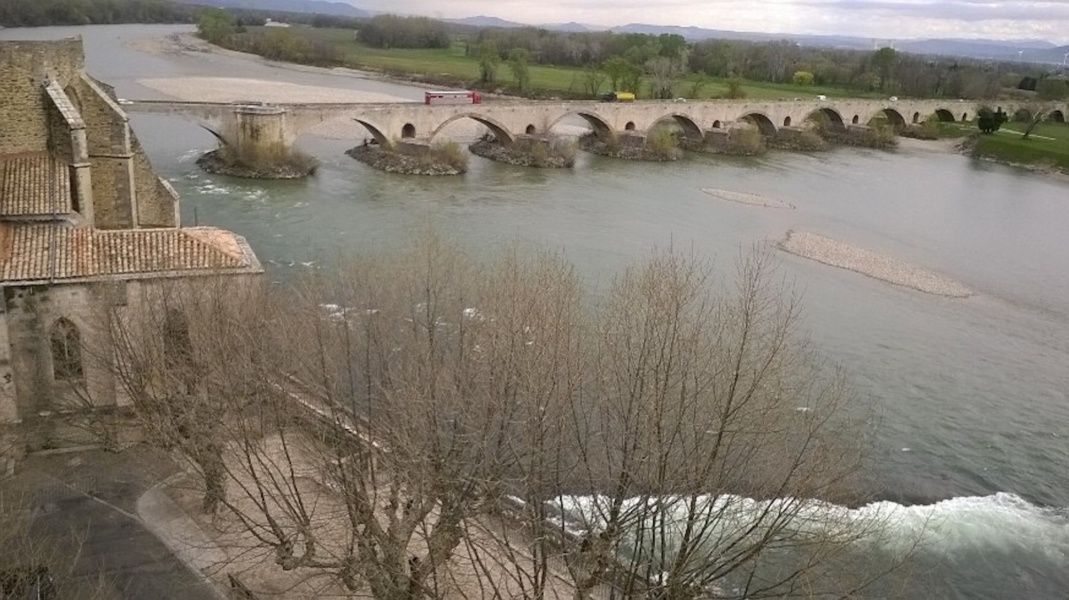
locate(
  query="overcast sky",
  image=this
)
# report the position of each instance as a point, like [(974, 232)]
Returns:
[(900, 19)]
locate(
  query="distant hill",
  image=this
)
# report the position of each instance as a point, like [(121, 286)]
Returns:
[(1040, 51), (321, 7), (484, 21), (1031, 51), (569, 27)]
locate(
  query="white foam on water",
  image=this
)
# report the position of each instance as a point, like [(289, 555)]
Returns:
[(213, 189), (1000, 523), (190, 155)]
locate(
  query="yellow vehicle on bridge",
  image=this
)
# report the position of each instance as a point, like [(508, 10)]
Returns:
[(618, 97)]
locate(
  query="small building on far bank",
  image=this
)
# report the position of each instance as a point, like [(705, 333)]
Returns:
[(87, 231)]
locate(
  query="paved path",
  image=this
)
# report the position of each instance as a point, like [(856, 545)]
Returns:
[(95, 496)]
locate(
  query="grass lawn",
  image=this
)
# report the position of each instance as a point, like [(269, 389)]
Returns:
[(452, 65), (953, 130), (1049, 142)]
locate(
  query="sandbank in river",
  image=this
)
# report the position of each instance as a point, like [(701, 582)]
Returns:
[(838, 254)]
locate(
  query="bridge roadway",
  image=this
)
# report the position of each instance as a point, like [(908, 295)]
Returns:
[(389, 122)]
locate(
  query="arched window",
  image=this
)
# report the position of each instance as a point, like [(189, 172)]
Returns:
[(66, 351), (178, 352), (176, 340)]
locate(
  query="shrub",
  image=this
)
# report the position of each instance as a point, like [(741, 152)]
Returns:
[(735, 90), (264, 156), (450, 153), (746, 141), (662, 144)]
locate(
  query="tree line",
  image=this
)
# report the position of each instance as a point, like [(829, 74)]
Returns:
[(39, 13), (666, 58), (633, 60)]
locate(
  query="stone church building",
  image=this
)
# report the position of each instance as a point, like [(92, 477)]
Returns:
[(87, 230)]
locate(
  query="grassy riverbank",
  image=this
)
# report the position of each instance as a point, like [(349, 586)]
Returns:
[(1048, 145), (455, 68)]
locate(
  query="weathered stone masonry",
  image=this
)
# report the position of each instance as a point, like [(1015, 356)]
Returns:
[(88, 233)]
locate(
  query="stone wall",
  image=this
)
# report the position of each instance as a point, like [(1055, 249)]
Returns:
[(29, 390), (60, 141), (112, 193), (125, 192), (24, 66), (157, 204), (32, 314), (8, 392)]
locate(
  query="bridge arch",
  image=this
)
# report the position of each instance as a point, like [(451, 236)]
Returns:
[(827, 116), (1056, 116), (376, 133), (531, 129), (762, 121), (690, 127), (500, 131), (944, 115), (895, 118), (598, 123), (408, 131)]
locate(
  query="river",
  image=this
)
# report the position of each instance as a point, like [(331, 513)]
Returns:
[(973, 394)]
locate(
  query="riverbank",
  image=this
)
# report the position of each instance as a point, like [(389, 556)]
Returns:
[(1045, 152), (852, 258)]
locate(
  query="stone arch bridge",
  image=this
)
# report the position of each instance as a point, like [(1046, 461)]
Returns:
[(413, 123)]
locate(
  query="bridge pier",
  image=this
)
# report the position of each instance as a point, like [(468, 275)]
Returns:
[(412, 146), (717, 139), (258, 130), (255, 144)]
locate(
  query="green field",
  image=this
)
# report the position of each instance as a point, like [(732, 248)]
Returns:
[(1048, 143), (452, 66)]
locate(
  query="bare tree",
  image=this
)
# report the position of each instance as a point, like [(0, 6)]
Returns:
[(709, 437), (428, 426), (1037, 112), (663, 72), (593, 79)]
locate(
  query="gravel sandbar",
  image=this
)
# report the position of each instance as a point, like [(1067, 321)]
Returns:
[(235, 89), (744, 198), (837, 254)]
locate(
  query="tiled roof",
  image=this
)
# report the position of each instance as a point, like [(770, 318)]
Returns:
[(32, 252), (34, 185)]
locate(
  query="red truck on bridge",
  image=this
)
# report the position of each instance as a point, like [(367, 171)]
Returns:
[(452, 97)]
